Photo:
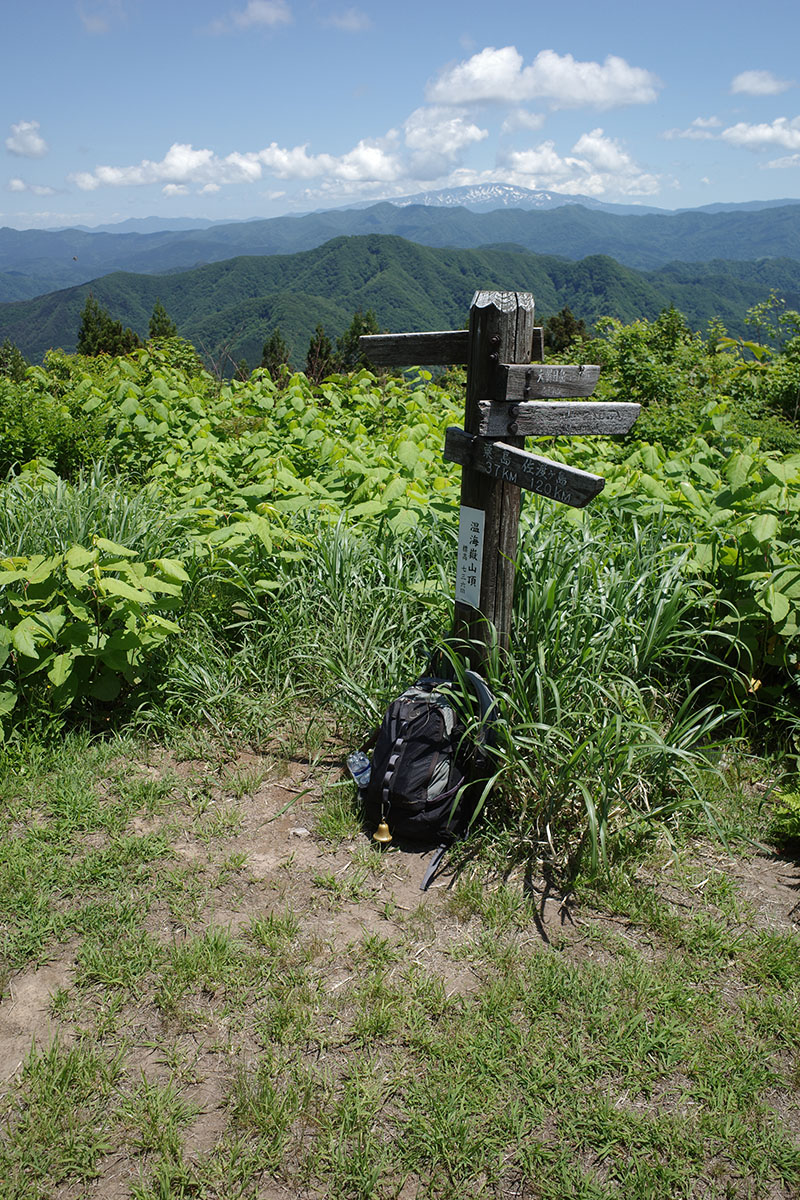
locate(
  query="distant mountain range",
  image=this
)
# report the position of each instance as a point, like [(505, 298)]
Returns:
[(227, 309), (487, 197), (33, 262)]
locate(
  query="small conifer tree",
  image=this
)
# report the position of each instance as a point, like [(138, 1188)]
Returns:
[(100, 334), (320, 358), (563, 329), (349, 357), (161, 324), (275, 354), (13, 363)]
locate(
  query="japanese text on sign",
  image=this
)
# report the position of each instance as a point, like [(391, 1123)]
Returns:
[(470, 556)]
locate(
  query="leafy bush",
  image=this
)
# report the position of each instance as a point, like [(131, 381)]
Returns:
[(81, 626)]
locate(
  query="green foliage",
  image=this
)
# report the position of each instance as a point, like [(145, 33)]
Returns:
[(99, 333), (784, 823), (82, 625), (348, 355), (563, 330), (13, 363), (275, 355), (676, 374), (161, 324), (296, 497), (48, 414), (320, 360)]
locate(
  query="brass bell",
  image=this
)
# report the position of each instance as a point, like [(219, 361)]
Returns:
[(382, 834)]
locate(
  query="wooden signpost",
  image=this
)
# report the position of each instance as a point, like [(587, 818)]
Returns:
[(509, 396)]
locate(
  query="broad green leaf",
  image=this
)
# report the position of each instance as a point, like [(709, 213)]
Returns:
[(652, 487), (784, 472), (764, 527), (408, 454), (160, 586), (394, 490), (776, 604), (8, 698), (692, 494), (78, 557), (107, 687), (737, 469), (10, 575), (114, 548), (118, 587), (78, 579), (172, 568), (61, 669), (370, 508), (23, 640)]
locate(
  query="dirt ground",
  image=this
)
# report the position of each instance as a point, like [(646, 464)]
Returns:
[(270, 830)]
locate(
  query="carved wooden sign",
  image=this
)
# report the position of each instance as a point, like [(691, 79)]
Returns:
[(553, 418), (568, 485), (536, 381), (509, 397)]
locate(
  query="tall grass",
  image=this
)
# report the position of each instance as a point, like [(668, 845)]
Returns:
[(44, 514), (611, 696)]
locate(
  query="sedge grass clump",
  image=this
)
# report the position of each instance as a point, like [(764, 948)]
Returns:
[(612, 693)]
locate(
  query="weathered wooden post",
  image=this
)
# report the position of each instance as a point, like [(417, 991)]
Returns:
[(509, 396), (501, 330)]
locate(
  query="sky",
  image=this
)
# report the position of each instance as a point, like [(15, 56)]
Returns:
[(234, 109)]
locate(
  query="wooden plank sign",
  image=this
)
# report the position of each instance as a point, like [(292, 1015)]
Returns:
[(509, 397), (536, 381), (553, 418), (412, 349), (568, 485)]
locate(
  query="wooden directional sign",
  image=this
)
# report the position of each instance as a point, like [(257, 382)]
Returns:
[(530, 471), (410, 349), (552, 418), (509, 396), (535, 381)]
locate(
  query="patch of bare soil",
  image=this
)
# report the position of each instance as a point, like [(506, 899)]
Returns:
[(245, 825), (25, 1014)]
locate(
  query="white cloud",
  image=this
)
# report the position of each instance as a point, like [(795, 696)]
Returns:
[(175, 189), (36, 189), (499, 75), (436, 137), (367, 161), (700, 130), (780, 132), (26, 141), (789, 160), (597, 166), (352, 20), (522, 118), (257, 13), (181, 164), (759, 83)]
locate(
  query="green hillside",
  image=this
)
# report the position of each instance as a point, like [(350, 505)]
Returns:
[(228, 308), (37, 261)]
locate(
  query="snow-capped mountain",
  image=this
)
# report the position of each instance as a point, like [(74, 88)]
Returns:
[(487, 197)]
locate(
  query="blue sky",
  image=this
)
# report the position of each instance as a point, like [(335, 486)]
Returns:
[(240, 108)]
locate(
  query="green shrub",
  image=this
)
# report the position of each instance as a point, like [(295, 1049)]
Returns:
[(82, 626)]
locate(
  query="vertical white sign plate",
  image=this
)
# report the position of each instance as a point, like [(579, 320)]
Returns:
[(470, 556)]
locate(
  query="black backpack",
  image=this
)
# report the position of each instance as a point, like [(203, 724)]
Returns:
[(430, 765)]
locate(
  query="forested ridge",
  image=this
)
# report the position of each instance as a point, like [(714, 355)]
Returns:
[(234, 305)]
